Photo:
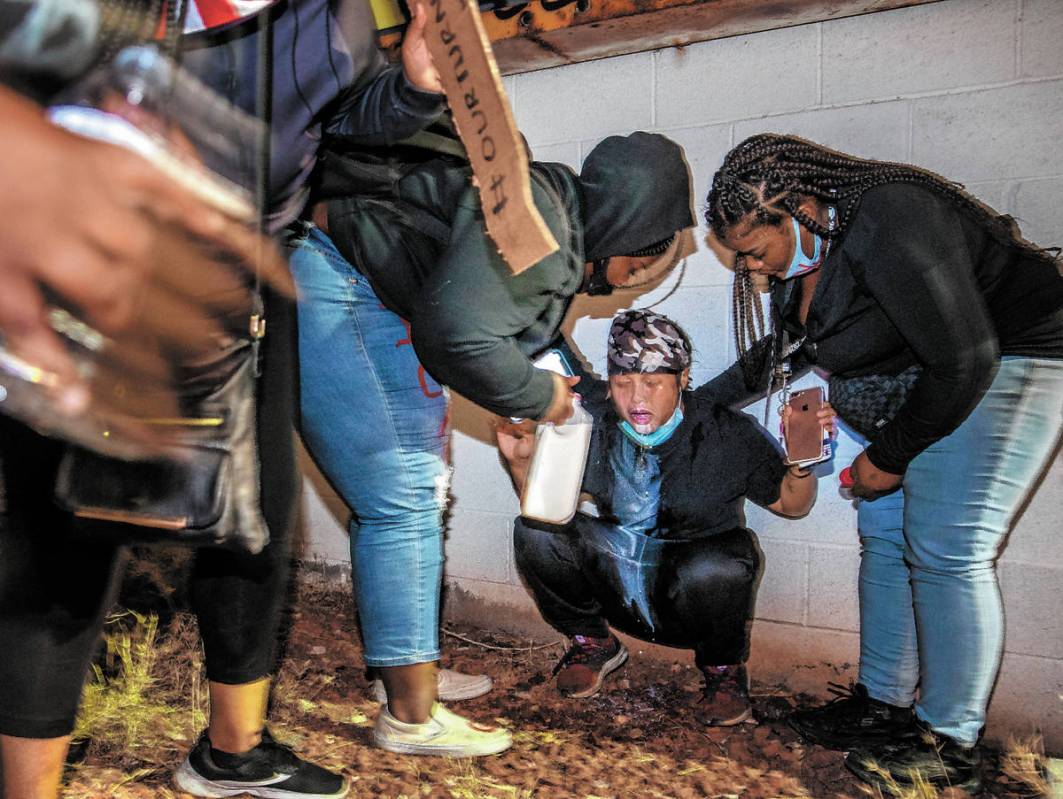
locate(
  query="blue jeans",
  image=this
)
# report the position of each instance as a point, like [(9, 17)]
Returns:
[(376, 424), (931, 616)]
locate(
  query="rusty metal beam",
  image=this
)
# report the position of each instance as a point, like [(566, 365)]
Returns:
[(549, 33)]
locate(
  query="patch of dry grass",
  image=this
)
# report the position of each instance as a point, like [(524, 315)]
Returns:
[(145, 702)]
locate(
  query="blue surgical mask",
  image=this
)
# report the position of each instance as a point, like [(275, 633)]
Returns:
[(658, 436), (801, 264)]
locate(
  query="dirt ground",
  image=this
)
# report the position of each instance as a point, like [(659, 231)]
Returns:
[(636, 739)]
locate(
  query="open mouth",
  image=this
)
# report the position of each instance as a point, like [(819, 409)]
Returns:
[(639, 417)]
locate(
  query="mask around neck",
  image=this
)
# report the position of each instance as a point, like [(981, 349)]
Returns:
[(658, 436), (801, 264)]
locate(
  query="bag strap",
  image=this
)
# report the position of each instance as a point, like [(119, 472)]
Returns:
[(264, 111)]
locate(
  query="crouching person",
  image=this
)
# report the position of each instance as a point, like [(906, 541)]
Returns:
[(666, 558)]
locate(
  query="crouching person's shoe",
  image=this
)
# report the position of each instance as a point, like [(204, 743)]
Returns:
[(854, 720), (445, 734), (726, 698), (270, 770), (584, 667), (925, 760)]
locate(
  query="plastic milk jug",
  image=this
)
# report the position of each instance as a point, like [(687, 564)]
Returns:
[(555, 474)]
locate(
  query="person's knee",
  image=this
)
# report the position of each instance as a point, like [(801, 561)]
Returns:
[(728, 565)]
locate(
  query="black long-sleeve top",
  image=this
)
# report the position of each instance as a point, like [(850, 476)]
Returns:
[(915, 280)]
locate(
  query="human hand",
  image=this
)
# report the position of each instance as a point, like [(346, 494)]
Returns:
[(417, 62), (516, 440), (562, 406), (869, 481), (826, 416), (827, 419), (99, 230)]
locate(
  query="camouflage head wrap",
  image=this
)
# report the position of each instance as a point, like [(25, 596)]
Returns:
[(643, 341)]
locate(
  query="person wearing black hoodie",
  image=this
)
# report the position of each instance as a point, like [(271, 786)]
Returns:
[(408, 296)]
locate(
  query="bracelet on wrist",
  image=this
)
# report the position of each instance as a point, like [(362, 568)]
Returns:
[(799, 473)]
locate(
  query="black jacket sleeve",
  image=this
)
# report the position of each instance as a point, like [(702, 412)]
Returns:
[(907, 246), (381, 107), (472, 310)]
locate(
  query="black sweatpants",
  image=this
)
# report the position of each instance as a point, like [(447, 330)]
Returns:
[(57, 587), (695, 593)]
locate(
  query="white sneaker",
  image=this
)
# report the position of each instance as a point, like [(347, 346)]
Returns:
[(453, 686), (445, 734)]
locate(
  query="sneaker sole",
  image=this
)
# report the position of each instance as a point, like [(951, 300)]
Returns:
[(442, 751), (611, 665), (470, 691), (187, 779), (903, 787)]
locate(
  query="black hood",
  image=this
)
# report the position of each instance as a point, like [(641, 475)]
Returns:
[(636, 192)]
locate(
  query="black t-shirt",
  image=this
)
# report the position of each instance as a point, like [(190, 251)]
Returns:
[(713, 461)]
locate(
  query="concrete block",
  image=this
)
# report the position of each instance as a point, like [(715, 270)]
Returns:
[(705, 147), (322, 536), (479, 546), (783, 592), (926, 48), (595, 98), (1036, 538), (1028, 699), (1031, 607), (738, 78), (1037, 206), (802, 659), (995, 134), (879, 130), (997, 194), (832, 595), (703, 313), (479, 482), (1041, 31), (494, 606), (567, 153)]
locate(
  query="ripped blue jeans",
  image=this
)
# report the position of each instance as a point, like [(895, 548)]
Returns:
[(376, 424)]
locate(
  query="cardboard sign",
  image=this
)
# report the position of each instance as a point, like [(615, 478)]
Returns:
[(462, 54)]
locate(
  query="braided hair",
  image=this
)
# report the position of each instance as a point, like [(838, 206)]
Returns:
[(768, 175)]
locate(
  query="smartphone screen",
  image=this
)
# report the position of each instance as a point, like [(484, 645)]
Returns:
[(554, 361)]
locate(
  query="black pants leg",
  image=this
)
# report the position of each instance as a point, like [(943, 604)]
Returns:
[(55, 590), (238, 598), (694, 593), (550, 561), (56, 587)]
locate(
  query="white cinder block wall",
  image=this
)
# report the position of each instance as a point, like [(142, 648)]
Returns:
[(970, 88)]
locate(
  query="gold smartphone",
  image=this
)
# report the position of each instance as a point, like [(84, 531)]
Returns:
[(802, 433)]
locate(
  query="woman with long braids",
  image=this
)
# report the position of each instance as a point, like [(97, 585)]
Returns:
[(942, 331)]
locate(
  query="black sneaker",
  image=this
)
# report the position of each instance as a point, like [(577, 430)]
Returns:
[(270, 770), (853, 719), (928, 759), (587, 663)]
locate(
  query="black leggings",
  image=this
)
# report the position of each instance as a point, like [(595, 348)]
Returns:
[(694, 593), (56, 588)]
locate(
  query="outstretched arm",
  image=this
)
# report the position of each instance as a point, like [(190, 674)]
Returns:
[(797, 491)]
